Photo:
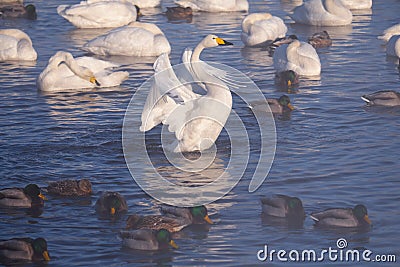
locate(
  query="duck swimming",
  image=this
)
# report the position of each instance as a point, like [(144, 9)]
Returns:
[(178, 13), (283, 206), (18, 11), (155, 222), (111, 204), (383, 98), (147, 239), (24, 249), (70, 188), (27, 197), (192, 215), (320, 39), (342, 217)]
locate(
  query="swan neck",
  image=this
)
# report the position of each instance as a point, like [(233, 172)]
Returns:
[(196, 52)]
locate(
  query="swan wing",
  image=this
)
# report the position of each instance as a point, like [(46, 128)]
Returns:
[(166, 94)]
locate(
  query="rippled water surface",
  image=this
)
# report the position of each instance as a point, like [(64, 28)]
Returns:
[(331, 152)]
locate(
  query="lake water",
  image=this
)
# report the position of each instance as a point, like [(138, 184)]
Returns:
[(331, 152)]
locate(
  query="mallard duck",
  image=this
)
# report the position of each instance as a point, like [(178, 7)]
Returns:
[(342, 217), (24, 249), (18, 11), (155, 222), (178, 12), (147, 239), (111, 203), (70, 187), (286, 79), (192, 215), (320, 39), (280, 41), (382, 98), (283, 206), (27, 197), (280, 105)]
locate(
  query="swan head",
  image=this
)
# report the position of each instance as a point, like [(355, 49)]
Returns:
[(31, 12), (212, 40)]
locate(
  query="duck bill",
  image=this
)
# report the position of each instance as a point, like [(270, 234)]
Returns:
[(208, 220), (289, 83), (367, 219), (112, 211), (221, 41), (42, 196), (46, 256), (94, 81), (173, 244), (290, 106)]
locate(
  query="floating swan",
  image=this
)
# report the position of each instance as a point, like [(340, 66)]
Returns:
[(258, 28), (65, 72), (146, 3), (99, 13), (393, 46), (16, 45), (357, 4), (135, 39), (198, 121), (298, 56), (389, 32), (215, 5), (322, 13)]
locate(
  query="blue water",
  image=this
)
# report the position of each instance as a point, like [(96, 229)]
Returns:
[(331, 152)]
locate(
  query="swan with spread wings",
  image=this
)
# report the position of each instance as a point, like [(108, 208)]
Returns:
[(196, 120)]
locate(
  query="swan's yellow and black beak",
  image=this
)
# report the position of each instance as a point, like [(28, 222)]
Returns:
[(221, 41), (94, 81)]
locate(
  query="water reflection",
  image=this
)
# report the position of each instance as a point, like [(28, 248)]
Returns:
[(82, 36)]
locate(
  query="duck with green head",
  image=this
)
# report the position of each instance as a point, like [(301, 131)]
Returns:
[(287, 79), (342, 217), (17, 10), (147, 239), (27, 197), (192, 215), (283, 206), (111, 204), (24, 249), (280, 105)]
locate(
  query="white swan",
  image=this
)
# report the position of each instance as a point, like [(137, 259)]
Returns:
[(99, 13), (16, 45), (145, 3), (322, 13), (357, 4), (215, 5), (65, 72), (298, 56), (135, 39), (258, 28), (196, 120), (389, 32), (393, 46)]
